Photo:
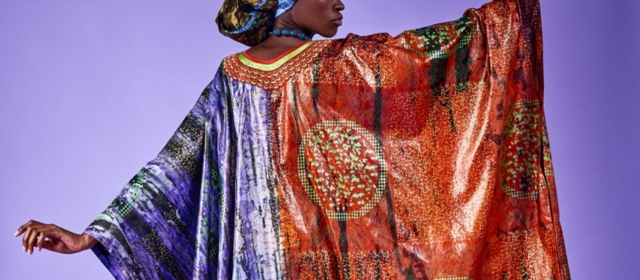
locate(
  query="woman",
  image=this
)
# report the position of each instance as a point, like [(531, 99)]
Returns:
[(423, 156)]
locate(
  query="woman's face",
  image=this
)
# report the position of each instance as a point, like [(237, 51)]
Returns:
[(321, 17)]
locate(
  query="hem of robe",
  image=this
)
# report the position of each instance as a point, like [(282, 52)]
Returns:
[(107, 256)]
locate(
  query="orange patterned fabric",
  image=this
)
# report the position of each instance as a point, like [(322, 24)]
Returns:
[(420, 156)]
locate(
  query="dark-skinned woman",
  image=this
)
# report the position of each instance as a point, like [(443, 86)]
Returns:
[(419, 156)]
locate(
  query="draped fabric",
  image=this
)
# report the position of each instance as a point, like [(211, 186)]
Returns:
[(419, 156)]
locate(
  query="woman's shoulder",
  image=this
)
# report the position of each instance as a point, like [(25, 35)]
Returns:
[(362, 49), (352, 41), (328, 56)]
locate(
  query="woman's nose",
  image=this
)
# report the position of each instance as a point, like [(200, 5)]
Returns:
[(339, 6)]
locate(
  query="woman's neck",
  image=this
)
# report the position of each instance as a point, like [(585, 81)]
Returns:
[(274, 46)]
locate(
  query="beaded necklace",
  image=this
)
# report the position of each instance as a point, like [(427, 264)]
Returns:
[(287, 32)]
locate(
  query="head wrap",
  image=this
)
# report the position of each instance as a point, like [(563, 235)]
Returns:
[(250, 21)]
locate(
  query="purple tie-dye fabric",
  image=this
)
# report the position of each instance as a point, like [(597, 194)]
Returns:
[(204, 208)]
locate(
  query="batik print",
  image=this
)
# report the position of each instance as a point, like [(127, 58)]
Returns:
[(420, 156)]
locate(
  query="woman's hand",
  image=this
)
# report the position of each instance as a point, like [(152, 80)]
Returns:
[(59, 240)]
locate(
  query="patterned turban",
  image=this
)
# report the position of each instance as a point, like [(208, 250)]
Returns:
[(250, 21)]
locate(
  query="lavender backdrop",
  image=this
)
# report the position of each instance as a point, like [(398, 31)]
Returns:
[(92, 90)]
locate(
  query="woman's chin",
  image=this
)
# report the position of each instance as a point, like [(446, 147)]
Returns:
[(329, 33)]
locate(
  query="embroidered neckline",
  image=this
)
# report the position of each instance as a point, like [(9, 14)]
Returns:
[(271, 74), (275, 63)]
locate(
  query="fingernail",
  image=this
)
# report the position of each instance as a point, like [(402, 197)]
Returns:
[(16, 234), (24, 249)]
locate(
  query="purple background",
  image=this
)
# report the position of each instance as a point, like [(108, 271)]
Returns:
[(92, 90)]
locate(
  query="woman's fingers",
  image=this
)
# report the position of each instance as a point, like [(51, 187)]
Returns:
[(51, 237), (25, 239), (33, 237), (40, 243), (20, 230), (33, 230), (24, 227)]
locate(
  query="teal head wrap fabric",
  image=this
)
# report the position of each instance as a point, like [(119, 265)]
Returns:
[(250, 21)]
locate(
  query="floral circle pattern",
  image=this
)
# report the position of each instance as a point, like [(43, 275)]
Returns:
[(342, 168), (521, 174)]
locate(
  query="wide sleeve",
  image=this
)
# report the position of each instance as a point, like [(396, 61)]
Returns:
[(475, 86), (162, 224), (505, 35)]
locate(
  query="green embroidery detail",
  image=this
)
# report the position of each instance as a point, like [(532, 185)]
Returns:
[(520, 167), (131, 195), (124, 210), (341, 166), (437, 37)]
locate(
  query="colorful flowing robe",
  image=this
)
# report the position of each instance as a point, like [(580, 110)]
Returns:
[(420, 156)]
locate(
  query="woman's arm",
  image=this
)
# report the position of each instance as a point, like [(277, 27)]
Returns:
[(53, 238), (179, 163)]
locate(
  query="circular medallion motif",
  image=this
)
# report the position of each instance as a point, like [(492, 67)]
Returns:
[(341, 166), (521, 160)]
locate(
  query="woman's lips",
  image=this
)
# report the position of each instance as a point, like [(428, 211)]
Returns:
[(338, 20)]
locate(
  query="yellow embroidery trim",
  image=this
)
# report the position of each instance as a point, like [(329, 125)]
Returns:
[(271, 80), (274, 65)]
